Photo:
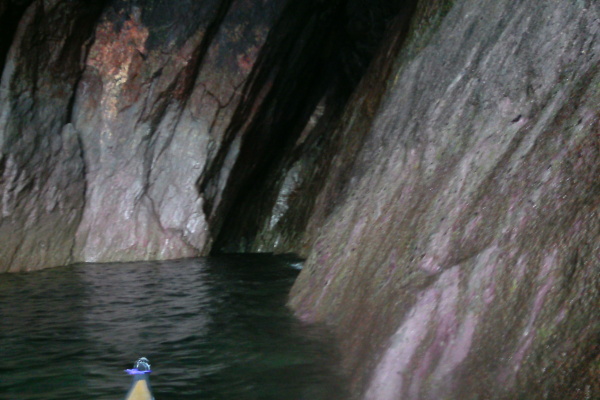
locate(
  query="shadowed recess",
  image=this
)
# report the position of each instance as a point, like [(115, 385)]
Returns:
[(315, 55)]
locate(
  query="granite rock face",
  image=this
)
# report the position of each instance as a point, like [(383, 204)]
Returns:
[(42, 181), (153, 102), (448, 200), (110, 112), (461, 260), (314, 58), (196, 123)]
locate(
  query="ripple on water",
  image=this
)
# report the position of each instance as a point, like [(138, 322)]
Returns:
[(213, 328)]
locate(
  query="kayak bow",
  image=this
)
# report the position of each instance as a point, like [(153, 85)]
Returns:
[(140, 386)]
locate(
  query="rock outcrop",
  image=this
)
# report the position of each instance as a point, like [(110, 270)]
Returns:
[(154, 101), (42, 180), (446, 191), (461, 256), (192, 122), (110, 113)]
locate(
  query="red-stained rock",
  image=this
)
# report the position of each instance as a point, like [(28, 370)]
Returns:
[(450, 212), (147, 100), (149, 114)]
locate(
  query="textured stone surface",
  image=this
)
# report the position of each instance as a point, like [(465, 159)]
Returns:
[(41, 170), (184, 141), (463, 259), (317, 56), (150, 107), (109, 113), (451, 218)]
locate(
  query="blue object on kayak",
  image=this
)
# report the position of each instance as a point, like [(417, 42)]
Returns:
[(136, 372), (140, 387)]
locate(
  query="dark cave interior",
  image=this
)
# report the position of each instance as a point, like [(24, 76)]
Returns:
[(315, 55)]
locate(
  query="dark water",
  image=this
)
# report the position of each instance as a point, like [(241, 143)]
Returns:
[(214, 328)]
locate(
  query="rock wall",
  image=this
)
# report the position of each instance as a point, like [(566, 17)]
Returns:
[(194, 124), (110, 112), (156, 96), (42, 183), (460, 254), (316, 54), (450, 210)]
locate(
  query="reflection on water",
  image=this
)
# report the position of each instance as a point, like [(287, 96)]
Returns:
[(214, 328)]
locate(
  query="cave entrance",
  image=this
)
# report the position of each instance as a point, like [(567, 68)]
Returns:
[(312, 61)]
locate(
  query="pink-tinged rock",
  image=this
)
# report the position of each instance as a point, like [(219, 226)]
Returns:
[(388, 379), (485, 156), (457, 349)]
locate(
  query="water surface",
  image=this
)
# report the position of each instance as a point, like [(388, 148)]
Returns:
[(213, 328)]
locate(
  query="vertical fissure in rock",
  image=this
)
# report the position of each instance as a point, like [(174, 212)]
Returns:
[(182, 88), (158, 112), (83, 39), (201, 51), (280, 40), (285, 73), (316, 54)]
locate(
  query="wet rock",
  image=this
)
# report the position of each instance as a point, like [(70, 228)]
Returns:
[(281, 147), (450, 212), (152, 105), (463, 258), (41, 170), (147, 101)]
